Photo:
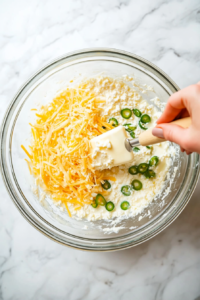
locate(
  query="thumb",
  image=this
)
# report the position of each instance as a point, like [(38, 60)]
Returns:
[(172, 133)]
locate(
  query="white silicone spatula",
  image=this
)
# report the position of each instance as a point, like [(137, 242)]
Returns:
[(120, 146)]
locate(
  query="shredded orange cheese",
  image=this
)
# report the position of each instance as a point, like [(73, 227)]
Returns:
[(60, 151)]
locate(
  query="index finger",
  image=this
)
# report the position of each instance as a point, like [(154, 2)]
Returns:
[(176, 103)]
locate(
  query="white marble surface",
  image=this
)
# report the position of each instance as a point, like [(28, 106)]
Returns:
[(32, 33)]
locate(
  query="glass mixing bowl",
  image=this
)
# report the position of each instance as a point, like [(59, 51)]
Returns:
[(15, 131)]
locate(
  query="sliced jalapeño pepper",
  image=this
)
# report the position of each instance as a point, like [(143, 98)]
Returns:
[(113, 122), (94, 204), (100, 200), (133, 170), (129, 127), (136, 184), (126, 113), (154, 161), (106, 185), (125, 205), (141, 126), (110, 206), (126, 190), (142, 168), (132, 134), (137, 112), (145, 118), (151, 173), (136, 149)]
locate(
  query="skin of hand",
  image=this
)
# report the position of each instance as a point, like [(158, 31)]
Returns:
[(181, 104)]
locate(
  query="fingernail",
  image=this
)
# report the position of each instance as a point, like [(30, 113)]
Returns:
[(158, 132)]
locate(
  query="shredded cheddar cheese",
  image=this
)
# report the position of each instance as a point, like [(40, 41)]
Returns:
[(59, 155)]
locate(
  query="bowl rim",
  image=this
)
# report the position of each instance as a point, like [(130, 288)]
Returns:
[(9, 110)]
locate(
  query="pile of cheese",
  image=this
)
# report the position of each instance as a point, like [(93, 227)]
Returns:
[(59, 155)]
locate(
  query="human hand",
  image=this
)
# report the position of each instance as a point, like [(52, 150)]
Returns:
[(181, 104)]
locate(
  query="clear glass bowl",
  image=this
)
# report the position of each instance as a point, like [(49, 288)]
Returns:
[(16, 131)]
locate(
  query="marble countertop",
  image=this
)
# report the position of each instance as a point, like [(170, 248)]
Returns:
[(32, 33)]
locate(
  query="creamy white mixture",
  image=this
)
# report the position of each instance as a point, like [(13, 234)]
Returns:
[(119, 95), (108, 149)]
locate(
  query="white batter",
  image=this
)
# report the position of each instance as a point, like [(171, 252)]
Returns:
[(119, 95)]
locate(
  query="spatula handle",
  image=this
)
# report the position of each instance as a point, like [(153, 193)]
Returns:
[(147, 138)]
